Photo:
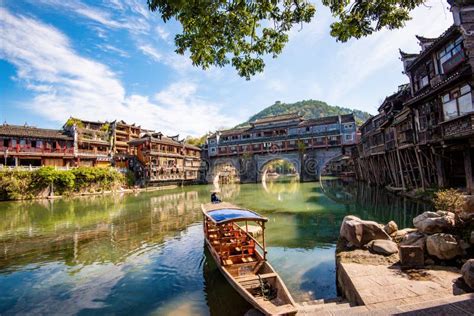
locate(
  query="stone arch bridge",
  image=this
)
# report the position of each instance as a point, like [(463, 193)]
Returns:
[(250, 168)]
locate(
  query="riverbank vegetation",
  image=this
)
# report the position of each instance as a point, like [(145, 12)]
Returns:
[(17, 184)]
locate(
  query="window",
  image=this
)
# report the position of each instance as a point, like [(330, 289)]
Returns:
[(457, 102), (348, 136), (448, 52), (213, 150), (22, 142), (33, 143), (6, 142), (246, 136), (348, 126)]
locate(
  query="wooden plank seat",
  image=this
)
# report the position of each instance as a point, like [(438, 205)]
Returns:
[(251, 277), (248, 259), (228, 262)]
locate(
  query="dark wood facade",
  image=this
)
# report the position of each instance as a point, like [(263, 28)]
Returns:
[(426, 140)]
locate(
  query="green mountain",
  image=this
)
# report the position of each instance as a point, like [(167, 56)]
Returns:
[(309, 109)]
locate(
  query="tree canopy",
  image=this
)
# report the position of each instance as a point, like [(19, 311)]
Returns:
[(241, 32)]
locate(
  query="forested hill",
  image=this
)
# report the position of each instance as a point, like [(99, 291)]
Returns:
[(309, 109)]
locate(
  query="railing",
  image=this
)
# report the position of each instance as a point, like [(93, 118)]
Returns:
[(92, 152), (377, 149), (279, 138), (32, 168), (39, 150), (458, 127)]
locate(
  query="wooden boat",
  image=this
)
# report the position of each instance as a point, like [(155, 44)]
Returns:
[(242, 258)]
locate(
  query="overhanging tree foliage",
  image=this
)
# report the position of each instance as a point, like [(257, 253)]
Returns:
[(241, 32)]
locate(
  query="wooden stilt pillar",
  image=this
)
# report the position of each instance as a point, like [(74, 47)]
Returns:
[(420, 168), (400, 168), (440, 171), (468, 169)]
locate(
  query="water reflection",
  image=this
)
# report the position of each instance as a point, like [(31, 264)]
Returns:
[(136, 254)]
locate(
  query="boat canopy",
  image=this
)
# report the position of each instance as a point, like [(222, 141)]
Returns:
[(226, 215)]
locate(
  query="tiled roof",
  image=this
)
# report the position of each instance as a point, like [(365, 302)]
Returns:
[(276, 118), (402, 92), (425, 39), (320, 121), (31, 131), (192, 146), (345, 118), (155, 138), (407, 55), (234, 131)]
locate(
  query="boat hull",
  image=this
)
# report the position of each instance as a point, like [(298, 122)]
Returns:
[(258, 303)]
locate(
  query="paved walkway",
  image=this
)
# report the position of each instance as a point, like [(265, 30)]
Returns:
[(388, 290)]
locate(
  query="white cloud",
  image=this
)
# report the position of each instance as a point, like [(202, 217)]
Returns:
[(65, 83), (162, 33), (151, 52), (106, 18), (113, 49)]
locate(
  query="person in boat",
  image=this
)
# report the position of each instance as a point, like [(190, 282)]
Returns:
[(215, 198)]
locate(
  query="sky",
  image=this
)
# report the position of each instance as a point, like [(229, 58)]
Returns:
[(114, 59)]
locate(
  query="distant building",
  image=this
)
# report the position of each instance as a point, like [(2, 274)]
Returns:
[(283, 133), (166, 159), (32, 146)]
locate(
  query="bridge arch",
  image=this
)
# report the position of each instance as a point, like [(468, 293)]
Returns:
[(224, 168), (264, 161)]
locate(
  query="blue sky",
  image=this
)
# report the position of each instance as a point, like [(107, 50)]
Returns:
[(113, 59)]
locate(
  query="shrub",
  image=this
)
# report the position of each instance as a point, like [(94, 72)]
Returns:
[(17, 184), (450, 200), (22, 184)]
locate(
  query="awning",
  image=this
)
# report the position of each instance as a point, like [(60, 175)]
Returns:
[(234, 215)]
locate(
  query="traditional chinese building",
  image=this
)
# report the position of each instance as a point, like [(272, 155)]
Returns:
[(166, 159), (92, 141), (32, 146), (428, 139), (283, 133), (122, 133)]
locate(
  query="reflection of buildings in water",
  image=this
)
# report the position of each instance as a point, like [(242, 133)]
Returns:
[(375, 202), (85, 232), (229, 191), (279, 190)]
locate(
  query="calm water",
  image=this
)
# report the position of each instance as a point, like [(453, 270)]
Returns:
[(144, 254)]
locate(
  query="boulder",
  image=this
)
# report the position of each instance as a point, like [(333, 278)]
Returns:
[(411, 256), (383, 247), (443, 246), (467, 272), (391, 227), (434, 222), (399, 234), (358, 232), (414, 239)]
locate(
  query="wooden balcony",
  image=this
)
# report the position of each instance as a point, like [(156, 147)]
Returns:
[(377, 149), (36, 151), (459, 127)]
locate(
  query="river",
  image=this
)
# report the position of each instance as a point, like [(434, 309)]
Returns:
[(144, 254)]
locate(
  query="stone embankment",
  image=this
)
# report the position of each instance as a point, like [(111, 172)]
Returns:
[(391, 270)]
